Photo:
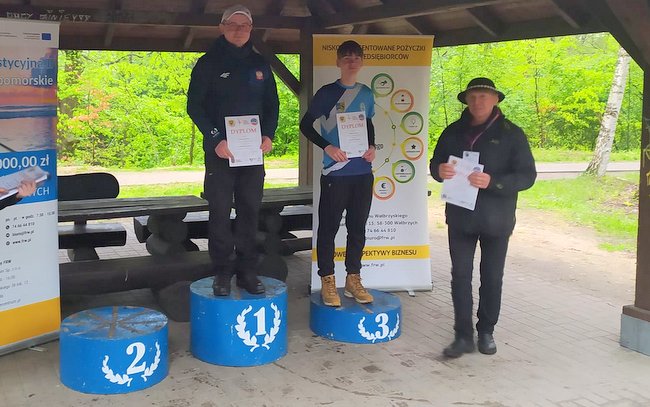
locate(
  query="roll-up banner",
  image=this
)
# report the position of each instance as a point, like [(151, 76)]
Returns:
[(397, 70), (29, 270)]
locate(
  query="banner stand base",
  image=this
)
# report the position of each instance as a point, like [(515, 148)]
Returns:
[(37, 340)]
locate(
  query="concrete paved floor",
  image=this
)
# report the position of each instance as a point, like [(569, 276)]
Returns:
[(557, 337)]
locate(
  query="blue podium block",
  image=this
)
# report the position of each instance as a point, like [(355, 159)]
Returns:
[(357, 323), (112, 350), (241, 329)]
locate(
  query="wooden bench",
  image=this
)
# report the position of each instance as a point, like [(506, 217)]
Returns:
[(292, 218), (80, 238)]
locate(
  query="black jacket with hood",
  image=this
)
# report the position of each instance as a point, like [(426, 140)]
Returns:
[(231, 81)]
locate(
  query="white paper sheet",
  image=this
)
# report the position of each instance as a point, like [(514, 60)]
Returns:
[(353, 133), (457, 190), (244, 137)]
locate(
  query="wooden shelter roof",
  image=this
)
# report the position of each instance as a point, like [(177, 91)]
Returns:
[(191, 25)]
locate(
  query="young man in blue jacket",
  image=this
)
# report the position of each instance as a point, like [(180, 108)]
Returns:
[(231, 79), (482, 132), (345, 184)]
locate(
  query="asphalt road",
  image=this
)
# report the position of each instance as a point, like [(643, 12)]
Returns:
[(290, 175)]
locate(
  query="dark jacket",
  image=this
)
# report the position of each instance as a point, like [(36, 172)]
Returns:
[(231, 81), (8, 201), (506, 156)]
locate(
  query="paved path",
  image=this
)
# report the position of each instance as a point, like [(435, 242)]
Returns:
[(557, 337), (290, 175)]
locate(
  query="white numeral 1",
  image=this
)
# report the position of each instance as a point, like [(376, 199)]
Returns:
[(261, 321)]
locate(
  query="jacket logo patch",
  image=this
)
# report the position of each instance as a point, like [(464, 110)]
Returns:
[(259, 75), (225, 75), (494, 141)]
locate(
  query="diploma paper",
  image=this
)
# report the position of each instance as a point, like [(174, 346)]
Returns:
[(353, 133), (244, 137), (457, 190)]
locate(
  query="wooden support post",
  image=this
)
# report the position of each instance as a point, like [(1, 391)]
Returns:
[(306, 155), (642, 297), (635, 321)]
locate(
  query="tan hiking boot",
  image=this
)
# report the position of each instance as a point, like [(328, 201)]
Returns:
[(328, 291), (354, 289)]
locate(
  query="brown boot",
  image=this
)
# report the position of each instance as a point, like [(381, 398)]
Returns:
[(328, 291), (354, 289)]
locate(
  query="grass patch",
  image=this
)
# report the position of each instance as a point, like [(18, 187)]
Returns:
[(608, 204), (555, 155)]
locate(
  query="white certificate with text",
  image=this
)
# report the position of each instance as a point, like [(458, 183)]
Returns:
[(457, 190), (353, 133), (244, 137)]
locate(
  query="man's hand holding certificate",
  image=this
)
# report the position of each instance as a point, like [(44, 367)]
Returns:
[(458, 190), (353, 133), (244, 137)]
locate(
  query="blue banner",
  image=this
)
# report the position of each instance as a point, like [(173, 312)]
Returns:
[(29, 270)]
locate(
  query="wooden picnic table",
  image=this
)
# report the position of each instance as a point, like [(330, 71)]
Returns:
[(170, 265), (111, 208)]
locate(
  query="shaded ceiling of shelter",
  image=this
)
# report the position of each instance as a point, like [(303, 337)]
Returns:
[(191, 25)]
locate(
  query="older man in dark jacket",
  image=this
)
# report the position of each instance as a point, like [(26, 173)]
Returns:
[(509, 167), (233, 80)]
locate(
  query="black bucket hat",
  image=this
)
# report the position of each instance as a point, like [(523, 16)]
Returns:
[(480, 83)]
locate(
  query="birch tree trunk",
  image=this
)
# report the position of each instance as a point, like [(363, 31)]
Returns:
[(600, 159)]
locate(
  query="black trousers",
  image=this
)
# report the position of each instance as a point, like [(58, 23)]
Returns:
[(338, 193), (233, 248), (462, 247)]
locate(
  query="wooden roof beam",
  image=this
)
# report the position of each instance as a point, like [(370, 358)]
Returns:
[(84, 15), (114, 5), (197, 6), (402, 9), (420, 24), (634, 44), (278, 67), (360, 29), (486, 19), (516, 31), (108, 36), (570, 16), (274, 8), (188, 37)]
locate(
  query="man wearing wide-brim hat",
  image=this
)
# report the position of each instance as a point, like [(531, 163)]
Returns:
[(483, 135)]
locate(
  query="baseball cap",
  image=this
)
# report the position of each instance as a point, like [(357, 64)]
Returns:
[(236, 9)]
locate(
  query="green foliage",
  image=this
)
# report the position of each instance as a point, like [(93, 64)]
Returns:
[(556, 88), (608, 204), (127, 109)]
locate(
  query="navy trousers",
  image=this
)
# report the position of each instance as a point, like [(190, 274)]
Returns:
[(338, 193), (233, 248)]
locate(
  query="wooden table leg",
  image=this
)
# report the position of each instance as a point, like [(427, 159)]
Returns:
[(168, 234)]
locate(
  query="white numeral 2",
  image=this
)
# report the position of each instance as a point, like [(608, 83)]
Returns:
[(139, 353)]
